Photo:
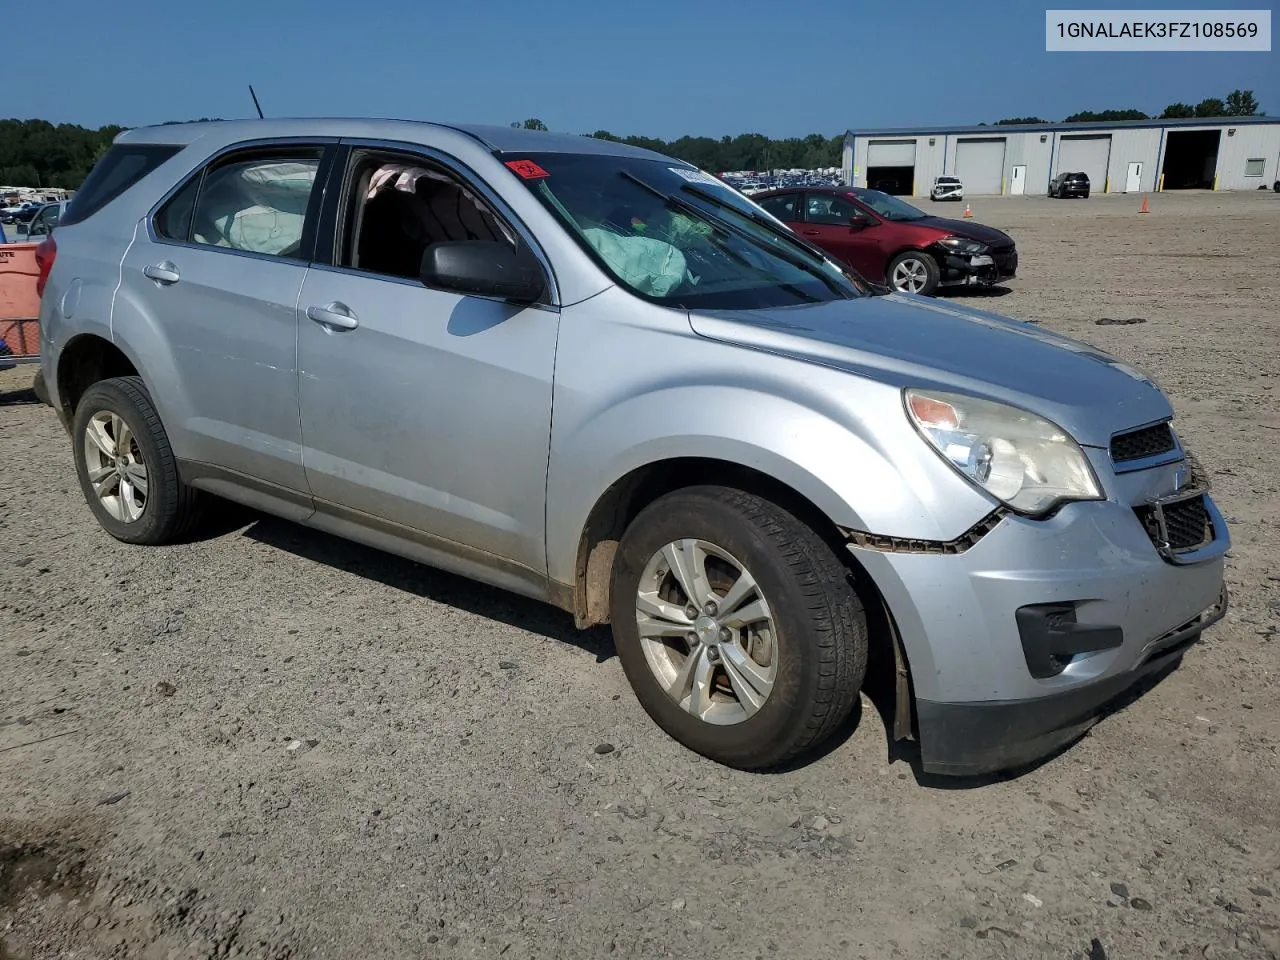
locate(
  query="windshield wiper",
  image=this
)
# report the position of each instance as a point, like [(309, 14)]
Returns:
[(773, 229)]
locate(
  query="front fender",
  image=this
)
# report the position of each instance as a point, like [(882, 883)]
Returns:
[(635, 385)]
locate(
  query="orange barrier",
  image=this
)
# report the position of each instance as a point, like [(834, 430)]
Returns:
[(19, 303)]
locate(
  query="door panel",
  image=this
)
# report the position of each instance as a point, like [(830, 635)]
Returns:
[(229, 326), (827, 223), (431, 411), (214, 277)]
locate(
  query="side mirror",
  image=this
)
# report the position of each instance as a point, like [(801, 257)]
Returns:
[(860, 223), (484, 268)]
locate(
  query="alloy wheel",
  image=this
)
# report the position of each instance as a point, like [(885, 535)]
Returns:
[(116, 468), (707, 631), (910, 276)]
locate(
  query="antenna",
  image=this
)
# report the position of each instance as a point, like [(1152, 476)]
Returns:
[(255, 101)]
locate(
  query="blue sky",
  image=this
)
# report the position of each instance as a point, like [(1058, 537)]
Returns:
[(654, 67)]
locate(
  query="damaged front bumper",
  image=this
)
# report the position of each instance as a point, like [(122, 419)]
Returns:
[(1018, 635), (980, 270)]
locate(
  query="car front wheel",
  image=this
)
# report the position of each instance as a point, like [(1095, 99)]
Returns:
[(737, 626), (913, 272)]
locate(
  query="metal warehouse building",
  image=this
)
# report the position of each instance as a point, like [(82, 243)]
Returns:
[(1130, 156)]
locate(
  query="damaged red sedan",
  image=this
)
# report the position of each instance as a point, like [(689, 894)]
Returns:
[(889, 241)]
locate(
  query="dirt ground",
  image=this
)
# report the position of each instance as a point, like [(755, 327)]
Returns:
[(270, 743)]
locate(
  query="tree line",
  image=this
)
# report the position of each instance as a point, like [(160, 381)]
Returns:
[(1238, 103), (747, 151), (36, 153)]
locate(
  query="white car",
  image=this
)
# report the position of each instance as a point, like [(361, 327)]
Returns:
[(947, 188)]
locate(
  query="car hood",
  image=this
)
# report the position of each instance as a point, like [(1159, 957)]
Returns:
[(964, 228), (906, 340)]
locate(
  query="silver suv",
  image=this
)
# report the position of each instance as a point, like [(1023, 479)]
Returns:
[(599, 377)]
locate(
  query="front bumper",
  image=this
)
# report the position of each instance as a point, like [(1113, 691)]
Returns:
[(970, 739), (984, 697), (983, 270)]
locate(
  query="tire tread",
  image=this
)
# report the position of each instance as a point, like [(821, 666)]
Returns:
[(181, 506)]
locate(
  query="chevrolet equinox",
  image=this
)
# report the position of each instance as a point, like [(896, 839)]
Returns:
[(599, 377)]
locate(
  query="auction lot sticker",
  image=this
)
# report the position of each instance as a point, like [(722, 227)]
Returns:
[(1186, 31)]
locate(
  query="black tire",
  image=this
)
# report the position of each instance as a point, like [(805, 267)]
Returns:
[(171, 507), (932, 275), (821, 630)]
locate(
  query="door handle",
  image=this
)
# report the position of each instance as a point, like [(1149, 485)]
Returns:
[(163, 272), (336, 315), (812, 233)]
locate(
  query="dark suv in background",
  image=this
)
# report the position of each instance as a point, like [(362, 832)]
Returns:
[(1069, 185)]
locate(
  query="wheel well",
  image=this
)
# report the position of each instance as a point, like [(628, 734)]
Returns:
[(897, 253), (622, 502), (85, 361)]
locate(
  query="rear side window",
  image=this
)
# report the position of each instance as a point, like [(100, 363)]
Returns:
[(121, 167), (257, 201)]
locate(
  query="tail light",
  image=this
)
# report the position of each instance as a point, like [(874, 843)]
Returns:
[(45, 254)]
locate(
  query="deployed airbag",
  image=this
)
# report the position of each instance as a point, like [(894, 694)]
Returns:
[(651, 266)]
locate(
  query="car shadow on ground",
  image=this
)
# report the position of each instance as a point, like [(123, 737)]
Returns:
[(493, 603), (967, 293), (13, 398), (412, 578)]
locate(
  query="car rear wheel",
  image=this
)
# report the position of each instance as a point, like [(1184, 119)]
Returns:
[(913, 272), (737, 626), (126, 467)]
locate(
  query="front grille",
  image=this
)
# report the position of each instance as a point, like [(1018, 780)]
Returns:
[(1006, 260), (1178, 526), (1187, 524), (1143, 443)]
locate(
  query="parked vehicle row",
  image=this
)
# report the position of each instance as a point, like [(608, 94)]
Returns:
[(22, 213), (761, 467)]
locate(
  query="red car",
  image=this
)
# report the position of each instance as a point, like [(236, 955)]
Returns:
[(889, 241)]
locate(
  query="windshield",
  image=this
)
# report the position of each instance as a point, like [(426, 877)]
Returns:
[(889, 207), (681, 237)]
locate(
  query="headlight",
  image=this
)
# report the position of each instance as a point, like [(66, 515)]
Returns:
[(1022, 460), (963, 245)]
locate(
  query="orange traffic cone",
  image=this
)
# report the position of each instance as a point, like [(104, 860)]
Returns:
[(1145, 207), (967, 212)]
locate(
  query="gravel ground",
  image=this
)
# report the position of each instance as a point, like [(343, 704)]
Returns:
[(271, 743)]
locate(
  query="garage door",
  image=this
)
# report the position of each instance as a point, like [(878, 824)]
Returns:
[(891, 153), (1087, 154), (980, 165)]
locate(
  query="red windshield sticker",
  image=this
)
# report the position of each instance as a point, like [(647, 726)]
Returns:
[(527, 169)]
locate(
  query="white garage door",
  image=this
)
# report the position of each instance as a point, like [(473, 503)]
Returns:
[(1085, 154), (980, 165), (891, 153)]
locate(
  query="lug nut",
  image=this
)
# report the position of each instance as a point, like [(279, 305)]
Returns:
[(726, 634), (713, 654), (691, 612), (692, 638), (710, 609)]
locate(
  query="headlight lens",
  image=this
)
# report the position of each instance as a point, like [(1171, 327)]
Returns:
[(1022, 460), (963, 245)]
